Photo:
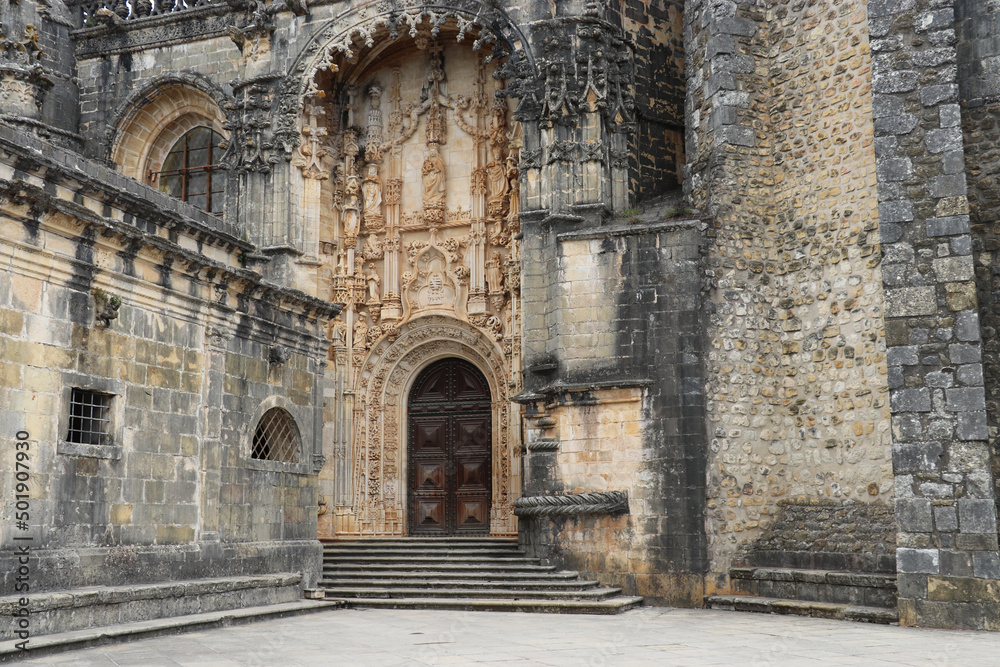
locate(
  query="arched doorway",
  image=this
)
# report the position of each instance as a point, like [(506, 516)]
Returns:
[(450, 439)]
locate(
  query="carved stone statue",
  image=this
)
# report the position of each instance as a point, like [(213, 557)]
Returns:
[(513, 178), (373, 284), (497, 179), (360, 332), (372, 190), (433, 174), (494, 272), (352, 212)]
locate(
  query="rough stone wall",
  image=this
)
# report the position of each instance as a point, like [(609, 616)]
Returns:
[(656, 29), (781, 153), (627, 413), (827, 534), (175, 492), (947, 541), (977, 28)]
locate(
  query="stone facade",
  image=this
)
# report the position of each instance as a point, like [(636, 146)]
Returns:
[(182, 358), (787, 363)]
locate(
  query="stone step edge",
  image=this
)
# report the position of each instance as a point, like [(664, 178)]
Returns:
[(835, 577), (432, 560), (559, 575), (94, 595), (468, 584), (610, 606), (441, 567), (77, 639), (431, 541), (353, 592), (831, 610)]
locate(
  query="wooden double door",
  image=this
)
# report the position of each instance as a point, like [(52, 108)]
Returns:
[(449, 458)]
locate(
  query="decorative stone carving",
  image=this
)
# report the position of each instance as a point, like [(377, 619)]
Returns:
[(433, 172), (374, 281), (373, 136), (411, 302), (352, 209), (499, 187), (494, 272), (313, 156), (372, 191), (374, 248), (576, 504)]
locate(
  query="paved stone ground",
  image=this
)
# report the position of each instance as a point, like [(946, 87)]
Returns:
[(647, 636)]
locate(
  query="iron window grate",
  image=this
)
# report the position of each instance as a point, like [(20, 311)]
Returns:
[(276, 437), (89, 417)]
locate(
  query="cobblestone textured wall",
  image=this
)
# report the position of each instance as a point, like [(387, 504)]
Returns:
[(782, 155)]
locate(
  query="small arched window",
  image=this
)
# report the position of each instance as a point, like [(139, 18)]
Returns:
[(276, 437), (191, 170)]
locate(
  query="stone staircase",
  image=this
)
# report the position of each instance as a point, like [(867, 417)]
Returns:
[(850, 596), (475, 574)]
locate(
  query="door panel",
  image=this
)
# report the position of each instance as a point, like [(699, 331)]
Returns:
[(450, 444)]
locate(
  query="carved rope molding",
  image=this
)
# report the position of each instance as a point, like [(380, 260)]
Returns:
[(576, 504)]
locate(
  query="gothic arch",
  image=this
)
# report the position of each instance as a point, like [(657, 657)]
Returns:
[(146, 125), (356, 28), (388, 374)]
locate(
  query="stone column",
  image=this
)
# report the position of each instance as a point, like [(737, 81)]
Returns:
[(945, 510)]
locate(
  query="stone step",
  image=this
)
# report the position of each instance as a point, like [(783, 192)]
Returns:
[(445, 566), (767, 605), (471, 584), (854, 588), (378, 591), (364, 552), (424, 543), (413, 560), (474, 575), (614, 605), (97, 606), (77, 639), (459, 575)]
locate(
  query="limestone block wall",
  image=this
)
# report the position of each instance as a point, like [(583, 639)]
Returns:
[(945, 509), (977, 26), (627, 412), (187, 361), (781, 153)]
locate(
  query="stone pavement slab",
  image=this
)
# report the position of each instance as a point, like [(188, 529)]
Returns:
[(647, 636)]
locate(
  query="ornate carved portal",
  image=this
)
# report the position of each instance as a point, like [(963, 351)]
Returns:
[(419, 213)]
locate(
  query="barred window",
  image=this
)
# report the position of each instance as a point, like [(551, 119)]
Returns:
[(192, 171), (276, 437), (89, 418)]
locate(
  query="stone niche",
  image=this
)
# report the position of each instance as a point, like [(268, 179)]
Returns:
[(409, 162)]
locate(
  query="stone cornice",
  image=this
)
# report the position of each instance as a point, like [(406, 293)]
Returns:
[(195, 264), (74, 172)]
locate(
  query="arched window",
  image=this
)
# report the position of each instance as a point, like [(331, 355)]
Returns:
[(276, 437), (191, 170)]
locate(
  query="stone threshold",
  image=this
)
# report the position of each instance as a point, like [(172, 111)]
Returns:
[(77, 639)]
